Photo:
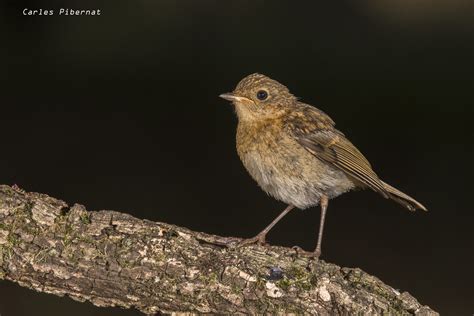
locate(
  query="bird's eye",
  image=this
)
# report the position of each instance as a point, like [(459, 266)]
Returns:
[(262, 95)]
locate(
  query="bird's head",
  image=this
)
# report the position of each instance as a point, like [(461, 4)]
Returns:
[(258, 97)]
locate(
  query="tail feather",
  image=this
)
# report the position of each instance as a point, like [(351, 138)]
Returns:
[(403, 199)]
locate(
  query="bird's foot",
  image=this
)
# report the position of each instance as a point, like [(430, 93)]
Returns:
[(233, 242), (308, 254), (259, 240)]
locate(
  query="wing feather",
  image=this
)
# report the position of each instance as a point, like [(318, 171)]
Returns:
[(331, 146), (314, 130)]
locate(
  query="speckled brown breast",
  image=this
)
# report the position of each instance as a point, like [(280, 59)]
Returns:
[(283, 168)]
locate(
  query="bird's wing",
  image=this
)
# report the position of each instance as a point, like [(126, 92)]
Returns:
[(310, 113), (330, 146)]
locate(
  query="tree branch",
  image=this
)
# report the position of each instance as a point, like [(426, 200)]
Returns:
[(114, 259)]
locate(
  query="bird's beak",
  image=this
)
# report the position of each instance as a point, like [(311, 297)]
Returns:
[(232, 97)]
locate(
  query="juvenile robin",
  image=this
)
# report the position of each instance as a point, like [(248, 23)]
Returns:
[(295, 153)]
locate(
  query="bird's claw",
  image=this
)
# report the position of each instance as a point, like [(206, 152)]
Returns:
[(309, 254), (258, 240)]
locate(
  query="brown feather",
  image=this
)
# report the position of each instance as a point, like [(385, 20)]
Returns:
[(335, 149)]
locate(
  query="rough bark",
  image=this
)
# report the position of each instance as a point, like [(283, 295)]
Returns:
[(114, 259)]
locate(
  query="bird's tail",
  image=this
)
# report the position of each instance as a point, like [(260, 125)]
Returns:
[(403, 199)]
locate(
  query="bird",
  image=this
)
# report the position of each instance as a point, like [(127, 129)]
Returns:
[(296, 155)]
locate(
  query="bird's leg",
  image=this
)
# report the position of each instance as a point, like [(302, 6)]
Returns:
[(324, 207), (260, 238), (317, 251)]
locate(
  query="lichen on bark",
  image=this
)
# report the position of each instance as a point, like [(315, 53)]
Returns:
[(114, 259)]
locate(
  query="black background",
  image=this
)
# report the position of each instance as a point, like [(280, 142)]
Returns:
[(121, 111)]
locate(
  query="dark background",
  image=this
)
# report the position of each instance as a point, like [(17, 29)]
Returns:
[(121, 111)]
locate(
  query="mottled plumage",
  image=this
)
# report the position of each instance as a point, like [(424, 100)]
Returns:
[(295, 153)]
